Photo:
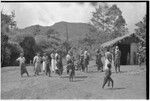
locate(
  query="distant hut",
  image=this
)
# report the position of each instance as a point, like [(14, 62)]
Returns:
[(128, 47)]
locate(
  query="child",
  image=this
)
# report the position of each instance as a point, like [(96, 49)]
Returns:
[(107, 77), (21, 60)]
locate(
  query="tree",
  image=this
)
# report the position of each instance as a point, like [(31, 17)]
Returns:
[(51, 33), (141, 30), (29, 48), (15, 50), (42, 42), (109, 22), (7, 23)]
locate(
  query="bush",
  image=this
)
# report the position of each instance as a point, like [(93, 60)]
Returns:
[(16, 49), (12, 52)]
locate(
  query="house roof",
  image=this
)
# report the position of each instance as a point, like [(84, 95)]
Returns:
[(112, 42)]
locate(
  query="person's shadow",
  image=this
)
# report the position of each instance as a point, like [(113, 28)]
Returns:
[(82, 77), (76, 78), (116, 88)]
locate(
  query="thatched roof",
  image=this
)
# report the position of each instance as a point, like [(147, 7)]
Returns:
[(118, 39)]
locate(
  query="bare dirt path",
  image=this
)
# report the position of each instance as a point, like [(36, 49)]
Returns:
[(129, 84)]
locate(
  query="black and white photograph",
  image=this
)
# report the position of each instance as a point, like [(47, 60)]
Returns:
[(74, 50)]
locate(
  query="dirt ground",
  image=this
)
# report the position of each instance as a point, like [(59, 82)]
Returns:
[(129, 84)]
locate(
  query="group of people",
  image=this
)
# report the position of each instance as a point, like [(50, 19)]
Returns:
[(83, 60), (53, 63), (111, 60), (114, 57), (46, 64)]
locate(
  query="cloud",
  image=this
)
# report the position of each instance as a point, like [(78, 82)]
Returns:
[(49, 13), (133, 13)]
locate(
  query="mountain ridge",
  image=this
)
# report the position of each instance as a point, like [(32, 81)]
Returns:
[(75, 30)]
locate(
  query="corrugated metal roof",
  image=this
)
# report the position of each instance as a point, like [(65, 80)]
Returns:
[(112, 42)]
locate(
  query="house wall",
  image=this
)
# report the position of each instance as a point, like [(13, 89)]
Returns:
[(133, 51)]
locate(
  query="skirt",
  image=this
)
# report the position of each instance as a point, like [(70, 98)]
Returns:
[(53, 65), (44, 66), (23, 68), (37, 67)]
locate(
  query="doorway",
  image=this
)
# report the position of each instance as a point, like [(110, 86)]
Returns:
[(125, 50)]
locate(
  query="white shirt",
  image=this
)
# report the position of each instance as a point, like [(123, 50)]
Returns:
[(68, 57), (56, 55), (85, 53), (21, 60)]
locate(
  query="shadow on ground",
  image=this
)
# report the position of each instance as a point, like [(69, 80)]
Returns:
[(74, 77), (90, 72), (116, 88)]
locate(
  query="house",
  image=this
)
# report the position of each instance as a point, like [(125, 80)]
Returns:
[(128, 47)]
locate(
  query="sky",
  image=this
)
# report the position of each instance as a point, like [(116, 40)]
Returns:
[(46, 14)]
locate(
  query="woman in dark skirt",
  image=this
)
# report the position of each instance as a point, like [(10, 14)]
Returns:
[(21, 60), (48, 63), (71, 70), (59, 65), (98, 60), (82, 62)]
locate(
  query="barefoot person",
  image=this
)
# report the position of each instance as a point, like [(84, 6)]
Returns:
[(21, 60), (48, 63), (68, 59), (59, 64), (71, 67), (44, 62), (37, 63), (53, 62), (82, 61), (98, 60), (86, 59), (108, 59), (117, 59), (107, 77)]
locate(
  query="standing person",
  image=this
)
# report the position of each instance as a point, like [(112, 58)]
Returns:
[(71, 67), (117, 59), (37, 63), (44, 62), (59, 64), (22, 65), (47, 62), (68, 58), (56, 56), (82, 61), (86, 60), (53, 62), (98, 60)]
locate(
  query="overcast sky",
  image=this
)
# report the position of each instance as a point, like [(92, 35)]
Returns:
[(47, 14)]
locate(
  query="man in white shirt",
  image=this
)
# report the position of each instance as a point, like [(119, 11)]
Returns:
[(21, 60)]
